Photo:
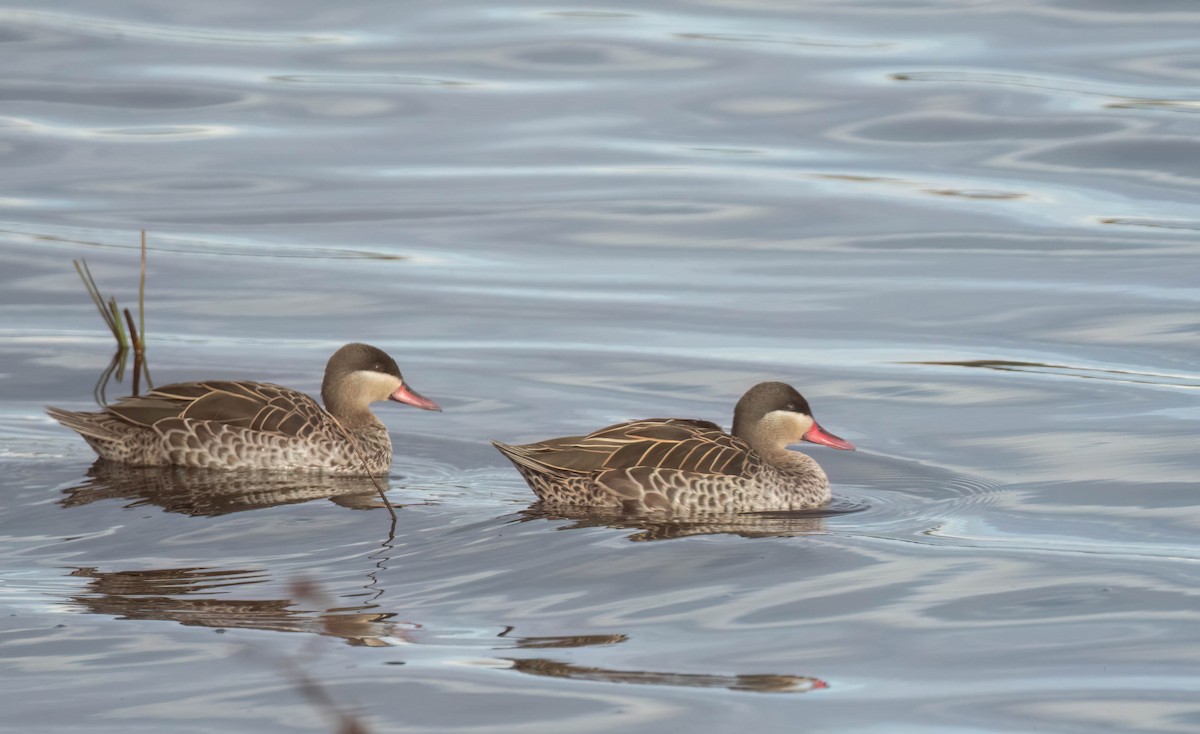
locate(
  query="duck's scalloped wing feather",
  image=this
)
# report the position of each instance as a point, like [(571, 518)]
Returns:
[(691, 446), (257, 406)]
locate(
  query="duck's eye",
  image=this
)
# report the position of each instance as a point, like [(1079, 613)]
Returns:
[(377, 367), (791, 407)]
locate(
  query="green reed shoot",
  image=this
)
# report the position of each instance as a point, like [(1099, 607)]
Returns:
[(133, 338)]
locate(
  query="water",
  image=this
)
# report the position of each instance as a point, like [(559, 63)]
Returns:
[(966, 231)]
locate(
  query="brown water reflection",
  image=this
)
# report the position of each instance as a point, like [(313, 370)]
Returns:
[(184, 595), (200, 492), (168, 594), (668, 527)]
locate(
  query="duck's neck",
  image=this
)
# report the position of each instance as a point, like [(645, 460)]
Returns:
[(772, 447), (790, 462), (365, 422), (765, 442), (350, 410)]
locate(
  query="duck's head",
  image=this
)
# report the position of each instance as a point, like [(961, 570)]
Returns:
[(772, 415), (360, 374)]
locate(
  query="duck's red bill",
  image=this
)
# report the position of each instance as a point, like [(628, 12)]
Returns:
[(816, 434), (404, 395)]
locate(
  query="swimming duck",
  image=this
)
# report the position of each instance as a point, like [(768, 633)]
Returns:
[(234, 424), (679, 465)]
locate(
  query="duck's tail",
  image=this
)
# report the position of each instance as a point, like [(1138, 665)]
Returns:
[(89, 425), (519, 456)]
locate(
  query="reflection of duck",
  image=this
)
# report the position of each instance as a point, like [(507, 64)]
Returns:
[(201, 597), (224, 424), (199, 492), (179, 595), (656, 527), (689, 466), (204, 597)]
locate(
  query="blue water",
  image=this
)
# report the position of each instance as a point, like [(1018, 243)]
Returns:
[(966, 231)]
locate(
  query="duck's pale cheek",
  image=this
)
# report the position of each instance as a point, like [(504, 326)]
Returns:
[(786, 425)]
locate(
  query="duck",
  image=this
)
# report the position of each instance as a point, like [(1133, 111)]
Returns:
[(684, 466), (237, 424)]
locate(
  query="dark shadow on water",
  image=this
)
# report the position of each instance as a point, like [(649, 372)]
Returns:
[(1083, 373), (668, 527), (208, 597), (207, 493)]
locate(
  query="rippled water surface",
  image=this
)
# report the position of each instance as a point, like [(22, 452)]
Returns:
[(967, 231)]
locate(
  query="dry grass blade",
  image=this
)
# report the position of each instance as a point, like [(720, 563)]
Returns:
[(366, 467), (107, 312)]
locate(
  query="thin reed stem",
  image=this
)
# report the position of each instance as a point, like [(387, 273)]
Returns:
[(142, 299), (137, 352)]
